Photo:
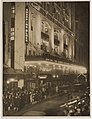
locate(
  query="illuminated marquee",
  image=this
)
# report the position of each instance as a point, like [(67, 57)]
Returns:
[(59, 67)]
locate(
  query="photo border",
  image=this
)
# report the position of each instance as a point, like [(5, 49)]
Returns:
[(1, 65)]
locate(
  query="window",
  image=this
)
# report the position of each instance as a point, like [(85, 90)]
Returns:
[(66, 45), (45, 27), (56, 37), (45, 31), (56, 34)]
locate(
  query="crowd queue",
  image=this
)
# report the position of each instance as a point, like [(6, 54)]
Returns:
[(18, 98), (15, 100), (81, 108)]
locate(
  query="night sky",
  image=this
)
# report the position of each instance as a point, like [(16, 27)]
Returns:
[(83, 14)]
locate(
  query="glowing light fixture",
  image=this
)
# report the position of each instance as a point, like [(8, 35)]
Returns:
[(79, 103), (42, 77), (83, 101), (12, 79), (8, 82), (72, 67), (53, 76)]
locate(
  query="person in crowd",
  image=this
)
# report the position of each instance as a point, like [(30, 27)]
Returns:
[(30, 96), (57, 89)]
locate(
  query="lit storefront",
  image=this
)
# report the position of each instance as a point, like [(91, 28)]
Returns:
[(13, 79), (51, 73)]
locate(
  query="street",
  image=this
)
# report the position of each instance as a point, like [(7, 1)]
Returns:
[(49, 107)]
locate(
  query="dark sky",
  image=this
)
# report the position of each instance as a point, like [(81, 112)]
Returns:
[(82, 12)]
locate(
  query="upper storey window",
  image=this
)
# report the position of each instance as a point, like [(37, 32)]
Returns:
[(56, 37), (56, 41), (45, 35), (66, 45), (45, 29)]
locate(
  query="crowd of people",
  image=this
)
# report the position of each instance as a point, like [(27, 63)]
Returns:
[(80, 108), (18, 98), (15, 100)]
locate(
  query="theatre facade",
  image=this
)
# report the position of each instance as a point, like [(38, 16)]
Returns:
[(40, 44)]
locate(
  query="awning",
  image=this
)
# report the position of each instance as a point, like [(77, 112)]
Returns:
[(81, 75), (10, 72)]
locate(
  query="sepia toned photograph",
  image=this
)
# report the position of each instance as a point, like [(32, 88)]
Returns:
[(46, 69)]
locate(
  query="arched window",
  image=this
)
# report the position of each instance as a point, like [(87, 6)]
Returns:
[(66, 45), (45, 27), (45, 34), (56, 41), (56, 34)]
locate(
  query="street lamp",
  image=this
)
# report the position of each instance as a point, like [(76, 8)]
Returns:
[(8, 82)]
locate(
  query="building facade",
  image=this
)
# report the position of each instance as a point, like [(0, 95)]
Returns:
[(39, 38)]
